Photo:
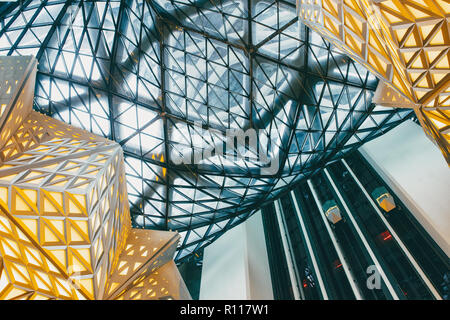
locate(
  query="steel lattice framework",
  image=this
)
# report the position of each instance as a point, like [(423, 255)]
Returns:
[(143, 73)]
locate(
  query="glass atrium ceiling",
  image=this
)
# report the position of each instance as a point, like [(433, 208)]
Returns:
[(145, 73)]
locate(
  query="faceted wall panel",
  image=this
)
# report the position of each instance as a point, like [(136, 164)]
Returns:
[(28, 272), (405, 43), (17, 82), (145, 252), (64, 213), (165, 283), (69, 195)]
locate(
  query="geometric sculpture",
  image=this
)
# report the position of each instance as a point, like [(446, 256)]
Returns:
[(404, 42), (161, 285), (137, 275), (17, 81), (65, 228), (68, 196)]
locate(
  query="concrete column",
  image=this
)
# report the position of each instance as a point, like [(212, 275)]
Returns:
[(236, 265)]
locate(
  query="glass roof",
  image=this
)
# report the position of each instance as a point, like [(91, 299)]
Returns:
[(167, 79)]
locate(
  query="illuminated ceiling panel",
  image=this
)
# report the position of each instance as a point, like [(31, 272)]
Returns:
[(146, 73)]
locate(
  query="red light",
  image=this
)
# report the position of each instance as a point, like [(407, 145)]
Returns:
[(337, 264), (386, 235), (305, 285)]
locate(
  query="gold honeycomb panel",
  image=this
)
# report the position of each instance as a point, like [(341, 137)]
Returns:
[(65, 230), (69, 197), (165, 283), (404, 42), (144, 253), (17, 80)]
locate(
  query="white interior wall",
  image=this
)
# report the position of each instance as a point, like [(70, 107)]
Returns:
[(417, 172), (260, 283), (236, 266)]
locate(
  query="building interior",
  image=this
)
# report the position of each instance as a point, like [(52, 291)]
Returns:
[(225, 149)]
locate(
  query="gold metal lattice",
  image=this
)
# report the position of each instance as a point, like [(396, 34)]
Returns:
[(65, 230), (404, 42)]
